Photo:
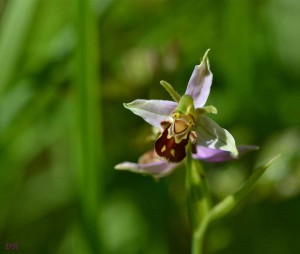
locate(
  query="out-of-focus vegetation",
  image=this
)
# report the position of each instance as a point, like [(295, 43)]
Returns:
[(66, 68)]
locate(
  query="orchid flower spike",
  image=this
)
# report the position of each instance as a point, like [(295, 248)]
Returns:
[(184, 127)]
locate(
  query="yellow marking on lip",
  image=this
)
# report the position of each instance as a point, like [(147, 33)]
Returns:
[(163, 149), (176, 115), (172, 152)]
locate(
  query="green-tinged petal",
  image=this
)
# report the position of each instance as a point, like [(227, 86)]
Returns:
[(152, 111), (207, 109), (211, 135), (173, 93)]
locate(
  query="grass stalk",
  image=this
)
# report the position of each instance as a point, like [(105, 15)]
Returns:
[(88, 149)]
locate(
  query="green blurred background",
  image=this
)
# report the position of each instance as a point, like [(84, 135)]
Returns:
[(66, 68)]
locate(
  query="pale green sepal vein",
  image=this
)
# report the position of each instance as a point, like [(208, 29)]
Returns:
[(174, 94)]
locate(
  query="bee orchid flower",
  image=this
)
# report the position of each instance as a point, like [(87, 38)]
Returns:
[(183, 127)]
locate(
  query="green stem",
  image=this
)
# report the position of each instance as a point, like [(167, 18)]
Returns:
[(198, 236), (199, 203)]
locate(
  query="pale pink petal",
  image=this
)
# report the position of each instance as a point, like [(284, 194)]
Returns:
[(155, 169), (216, 155), (149, 164), (200, 83)]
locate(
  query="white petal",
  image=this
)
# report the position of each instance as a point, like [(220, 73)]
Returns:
[(152, 111), (155, 169)]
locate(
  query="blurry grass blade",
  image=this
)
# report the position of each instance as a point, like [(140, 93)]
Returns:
[(32, 107), (14, 100), (102, 6), (14, 29), (88, 147)]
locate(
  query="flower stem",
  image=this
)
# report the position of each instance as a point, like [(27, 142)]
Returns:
[(198, 238), (199, 202)]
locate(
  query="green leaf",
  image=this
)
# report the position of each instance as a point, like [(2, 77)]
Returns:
[(226, 206), (230, 202)]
